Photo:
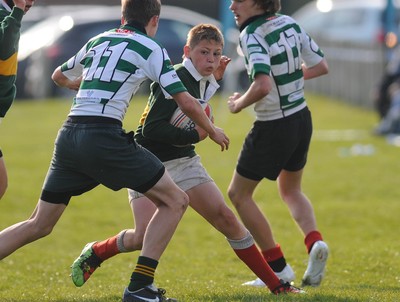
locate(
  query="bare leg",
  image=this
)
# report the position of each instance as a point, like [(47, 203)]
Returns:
[(240, 192), (171, 204), (40, 224), (3, 177), (143, 210), (207, 200), (289, 184)]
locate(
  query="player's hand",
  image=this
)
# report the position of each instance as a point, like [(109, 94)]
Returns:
[(20, 4), (220, 138), (232, 103), (223, 63)]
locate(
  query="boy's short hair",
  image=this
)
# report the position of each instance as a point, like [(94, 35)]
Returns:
[(269, 6), (202, 32), (140, 11)]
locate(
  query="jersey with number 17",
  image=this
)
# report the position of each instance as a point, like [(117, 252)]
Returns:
[(277, 46), (113, 65)]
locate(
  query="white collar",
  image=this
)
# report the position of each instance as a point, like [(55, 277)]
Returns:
[(197, 76), (5, 5), (213, 85)]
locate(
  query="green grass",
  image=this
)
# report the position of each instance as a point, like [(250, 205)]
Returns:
[(356, 200)]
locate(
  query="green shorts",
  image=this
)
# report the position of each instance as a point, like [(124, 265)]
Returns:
[(89, 154)]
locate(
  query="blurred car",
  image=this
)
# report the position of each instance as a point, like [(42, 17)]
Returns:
[(41, 12), (353, 36), (51, 42), (345, 21)]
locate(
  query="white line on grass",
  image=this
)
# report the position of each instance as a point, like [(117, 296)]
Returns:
[(340, 135)]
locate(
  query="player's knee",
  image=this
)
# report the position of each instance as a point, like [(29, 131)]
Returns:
[(39, 230), (234, 196), (226, 219), (3, 188), (182, 202), (3, 185)]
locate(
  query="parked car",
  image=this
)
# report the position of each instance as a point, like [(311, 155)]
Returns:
[(52, 41), (355, 21), (352, 36), (41, 12)]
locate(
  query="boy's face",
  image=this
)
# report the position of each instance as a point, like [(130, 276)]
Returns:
[(205, 56), (243, 10)]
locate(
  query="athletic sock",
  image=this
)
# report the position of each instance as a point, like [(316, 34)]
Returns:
[(110, 247), (311, 238), (247, 251), (143, 274), (275, 258)]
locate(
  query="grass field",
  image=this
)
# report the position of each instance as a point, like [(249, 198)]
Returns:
[(352, 179)]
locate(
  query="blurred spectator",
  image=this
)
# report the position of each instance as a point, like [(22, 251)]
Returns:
[(387, 99)]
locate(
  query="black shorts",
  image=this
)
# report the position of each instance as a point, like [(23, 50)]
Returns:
[(273, 146), (86, 155)]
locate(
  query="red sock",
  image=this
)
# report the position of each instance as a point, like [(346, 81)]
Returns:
[(256, 262), (311, 238), (273, 254), (106, 248)]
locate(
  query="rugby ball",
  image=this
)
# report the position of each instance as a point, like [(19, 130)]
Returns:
[(180, 120)]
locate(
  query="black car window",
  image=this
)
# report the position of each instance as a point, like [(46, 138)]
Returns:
[(172, 35)]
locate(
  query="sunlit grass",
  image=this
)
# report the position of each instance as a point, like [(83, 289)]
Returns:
[(356, 200)]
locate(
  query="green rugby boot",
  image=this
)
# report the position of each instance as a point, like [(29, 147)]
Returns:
[(85, 265)]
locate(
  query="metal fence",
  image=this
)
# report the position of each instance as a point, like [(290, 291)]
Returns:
[(354, 73)]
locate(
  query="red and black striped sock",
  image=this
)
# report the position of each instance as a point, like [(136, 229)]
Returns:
[(275, 258)]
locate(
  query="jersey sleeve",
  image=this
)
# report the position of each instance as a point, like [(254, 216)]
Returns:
[(161, 71), (311, 54), (256, 52), (10, 26), (73, 68)]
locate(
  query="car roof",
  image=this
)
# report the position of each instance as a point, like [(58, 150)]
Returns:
[(109, 12), (48, 30), (346, 4)]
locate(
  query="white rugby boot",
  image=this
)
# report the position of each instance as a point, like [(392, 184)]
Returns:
[(287, 275), (316, 264)]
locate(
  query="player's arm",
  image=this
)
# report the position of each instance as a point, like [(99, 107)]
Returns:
[(61, 80), (258, 89), (314, 63), (157, 127), (9, 33), (194, 111), (69, 74), (315, 71)]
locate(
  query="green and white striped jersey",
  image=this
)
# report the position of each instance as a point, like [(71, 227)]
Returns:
[(113, 65), (277, 46)]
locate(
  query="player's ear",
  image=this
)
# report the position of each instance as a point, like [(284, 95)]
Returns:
[(154, 20), (186, 51)]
